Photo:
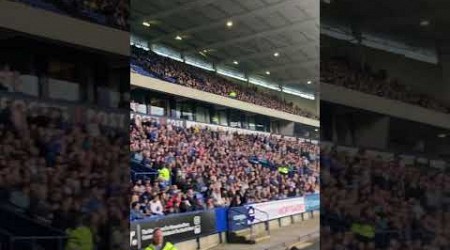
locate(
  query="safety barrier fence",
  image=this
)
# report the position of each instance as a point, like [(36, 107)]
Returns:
[(19, 232), (194, 225)]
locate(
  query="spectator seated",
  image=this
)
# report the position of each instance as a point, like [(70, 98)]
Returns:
[(342, 73), (371, 203), (180, 73), (114, 13), (199, 168)]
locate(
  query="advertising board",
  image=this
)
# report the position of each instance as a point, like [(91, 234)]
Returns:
[(276, 209), (175, 228)]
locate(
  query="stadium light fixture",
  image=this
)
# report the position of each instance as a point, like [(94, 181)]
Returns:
[(179, 38), (276, 54), (309, 82), (146, 24), (424, 23), (235, 62), (267, 72), (229, 24)]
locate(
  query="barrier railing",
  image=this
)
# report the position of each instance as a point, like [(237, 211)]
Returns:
[(137, 175), (39, 242), (203, 223), (266, 223), (11, 242), (17, 231), (5, 237)]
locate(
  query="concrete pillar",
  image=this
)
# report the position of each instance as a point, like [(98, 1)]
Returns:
[(287, 128)]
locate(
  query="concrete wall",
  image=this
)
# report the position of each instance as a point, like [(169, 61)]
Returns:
[(423, 77), (382, 105), (285, 221), (159, 85), (202, 243), (306, 104), (63, 28), (309, 105)]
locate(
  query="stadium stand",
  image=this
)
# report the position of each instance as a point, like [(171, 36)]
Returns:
[(196, 168), (54, 178), (49, 164), (113, 13), (223, 132), (343, 73), (376, 203), (150, 64)]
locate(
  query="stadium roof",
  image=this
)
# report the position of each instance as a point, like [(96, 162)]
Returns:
[(254, 36), (419, 23)]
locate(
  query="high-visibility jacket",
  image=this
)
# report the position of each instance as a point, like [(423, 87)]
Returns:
[(233, 94), (283, 170), (164, 174), (79, 239), (365, 230), (167, 246)]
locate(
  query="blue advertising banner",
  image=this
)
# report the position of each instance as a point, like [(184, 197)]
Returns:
[(221, 219), (312, 202), (238, 218)]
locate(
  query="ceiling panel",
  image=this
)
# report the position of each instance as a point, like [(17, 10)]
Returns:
[(260, 27)]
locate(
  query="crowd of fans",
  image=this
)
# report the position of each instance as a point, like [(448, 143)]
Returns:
[(197, 168), (342, 73), (372, 203), (63, 174), (190, 76), (113, 13), (9, 79)]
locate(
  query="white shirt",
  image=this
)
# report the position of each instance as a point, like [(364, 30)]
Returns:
[(156, 207)]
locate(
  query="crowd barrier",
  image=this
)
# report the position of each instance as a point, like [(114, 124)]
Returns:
[(20, 232), (194, 225), (154, 84), (141, 113), (404, 158)]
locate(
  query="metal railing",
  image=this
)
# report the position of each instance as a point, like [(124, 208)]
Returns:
[(21, 232), (40, 242), (12, 242), (266, 222)]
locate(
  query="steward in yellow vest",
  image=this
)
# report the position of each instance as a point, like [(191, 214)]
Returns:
[(283, 170), (80, 237), (164, 174), (158, 242)]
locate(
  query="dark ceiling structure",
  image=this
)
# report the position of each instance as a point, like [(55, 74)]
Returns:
[(253, 36), (421, 23)]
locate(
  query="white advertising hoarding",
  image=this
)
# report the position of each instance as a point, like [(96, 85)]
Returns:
[(276, 209)]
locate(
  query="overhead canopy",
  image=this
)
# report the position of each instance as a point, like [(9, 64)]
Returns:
[(276, 36)]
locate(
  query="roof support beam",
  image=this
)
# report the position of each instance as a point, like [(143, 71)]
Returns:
[(261, 54), (185, 7), (290, 65), (265, 33), (208, 26)]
